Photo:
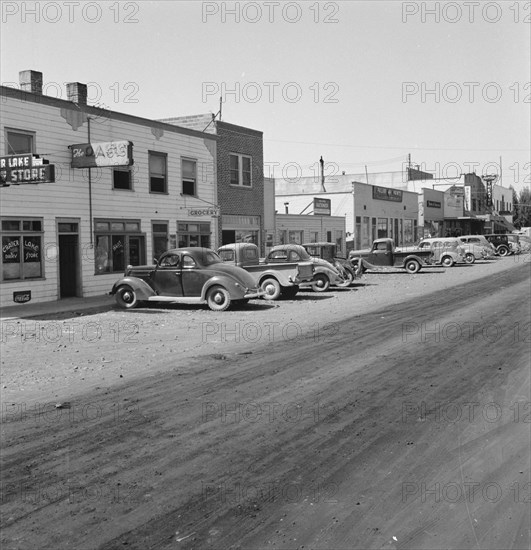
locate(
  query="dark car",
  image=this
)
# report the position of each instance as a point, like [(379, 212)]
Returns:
[(328, 251), (500, 242), (189, 276)]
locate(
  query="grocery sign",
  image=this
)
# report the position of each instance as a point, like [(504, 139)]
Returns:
[(25, 168), (322, 207), (99, 154)]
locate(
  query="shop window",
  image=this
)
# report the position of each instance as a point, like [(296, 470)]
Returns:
[(157, 172), (382, 228), (19, 142), (246, 236), (189, 177), (295, 237), (240, 170), (409, 236), (282, 236), (22, 249), (329, 236), (122, 178), (159, 230), (193, 234), (118, 244), (314, 236), (339, 240)]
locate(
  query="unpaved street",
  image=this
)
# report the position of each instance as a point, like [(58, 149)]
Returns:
[(395, 414)]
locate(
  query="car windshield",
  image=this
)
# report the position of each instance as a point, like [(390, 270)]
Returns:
[(226, 255)]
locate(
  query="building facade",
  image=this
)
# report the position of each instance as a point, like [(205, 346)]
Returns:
[(370, 211), (123, 189), (240, 178)]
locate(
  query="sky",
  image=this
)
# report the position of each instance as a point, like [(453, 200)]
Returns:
[(363, 84)]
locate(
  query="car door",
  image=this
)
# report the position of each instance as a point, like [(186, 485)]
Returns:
[(381, 255), (167, 278), (193, 277)]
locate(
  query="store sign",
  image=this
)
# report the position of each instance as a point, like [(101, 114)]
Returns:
[(26, 168), (203, 212), (433, 204), (468, 198), (489, 192), (101, 154), (322, 207), (22, 296), (386, 194)]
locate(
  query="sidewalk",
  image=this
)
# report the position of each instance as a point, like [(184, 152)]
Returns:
[(53, 309)]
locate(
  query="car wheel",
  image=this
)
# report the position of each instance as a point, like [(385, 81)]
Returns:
[(272, 289), (503, 250), (412, 266), (447, 261), (126, 297), (348, 276), (470, 258), (320, 283), (218, 298), (289, 292)]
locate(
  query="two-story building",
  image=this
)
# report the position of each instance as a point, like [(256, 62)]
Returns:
[(88, 191)]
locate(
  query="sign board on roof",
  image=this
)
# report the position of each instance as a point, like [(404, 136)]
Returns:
[(100, 154)]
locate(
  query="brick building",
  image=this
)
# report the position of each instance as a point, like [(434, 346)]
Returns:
[(240, 178)]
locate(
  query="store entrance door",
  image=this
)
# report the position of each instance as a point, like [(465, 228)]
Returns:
[(68, 265)]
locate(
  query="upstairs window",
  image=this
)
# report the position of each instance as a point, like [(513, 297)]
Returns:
[(19, 142), (122, 178), (189, 171), (240, 170), (157, 172)]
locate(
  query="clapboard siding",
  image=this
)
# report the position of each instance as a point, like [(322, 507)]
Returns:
[(68, 196)]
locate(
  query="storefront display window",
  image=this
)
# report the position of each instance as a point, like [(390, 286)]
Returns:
[(118, 244), (22, 249), (295, 237), (382, 228), (193, 234)]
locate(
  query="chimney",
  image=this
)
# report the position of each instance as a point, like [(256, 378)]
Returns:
[(30, 81), (76, 92), (286, 206)]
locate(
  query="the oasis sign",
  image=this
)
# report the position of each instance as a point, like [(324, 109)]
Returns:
[(100, 154), (26, 168)]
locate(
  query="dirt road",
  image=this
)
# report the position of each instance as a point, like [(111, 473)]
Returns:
[(291, 425)]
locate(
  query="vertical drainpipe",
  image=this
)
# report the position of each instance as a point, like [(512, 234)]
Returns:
[(90, 192)]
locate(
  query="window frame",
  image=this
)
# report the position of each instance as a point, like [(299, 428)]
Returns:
[(21, 233), (187, 179), (241, 184), (29, 133), (151, 174), (123, 169), (111, 232)]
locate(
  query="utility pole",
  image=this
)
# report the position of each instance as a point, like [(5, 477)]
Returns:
[(323, 188)]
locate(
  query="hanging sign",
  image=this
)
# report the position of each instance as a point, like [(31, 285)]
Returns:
[(100, 154), (25, 168)]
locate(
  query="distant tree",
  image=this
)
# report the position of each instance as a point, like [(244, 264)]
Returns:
[(523, 209), (516, 204)]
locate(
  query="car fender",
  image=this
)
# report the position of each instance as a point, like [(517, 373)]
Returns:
[(281, 277), (236, 292), (142, 289), (419, 259), (332, 274)]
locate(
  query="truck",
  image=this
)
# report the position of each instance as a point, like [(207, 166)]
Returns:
[(275, 278), (383, 255)]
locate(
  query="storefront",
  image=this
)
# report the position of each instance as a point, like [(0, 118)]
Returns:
[(240, 229), (431, 213)]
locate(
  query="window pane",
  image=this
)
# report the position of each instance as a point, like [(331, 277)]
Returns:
[(102, 255), (32, 257), (157, 185), (193, 227), (19, 143), (117, 226), (204, 227), (157, 164), (10, 225), (160, 228), (246, 164), (101, 226), (121, 179), (132, 226), (189, 169), (182, 226), (118, 255), (205, 241), (11, 257), (188, 187)]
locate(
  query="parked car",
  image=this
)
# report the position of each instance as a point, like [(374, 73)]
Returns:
[(514, 243), (186, 275), (328, 251), (476, 248), (325, 274), (500, 242), (447, 251), (383, 255), (525, 243), (482, 241), (275, 279)]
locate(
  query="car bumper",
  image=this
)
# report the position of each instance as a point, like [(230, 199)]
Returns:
[(254, 293)]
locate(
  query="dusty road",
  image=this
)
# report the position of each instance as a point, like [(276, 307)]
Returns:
[(391, 415)]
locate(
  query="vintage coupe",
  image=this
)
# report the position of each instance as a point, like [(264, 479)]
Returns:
[(189, 276)]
